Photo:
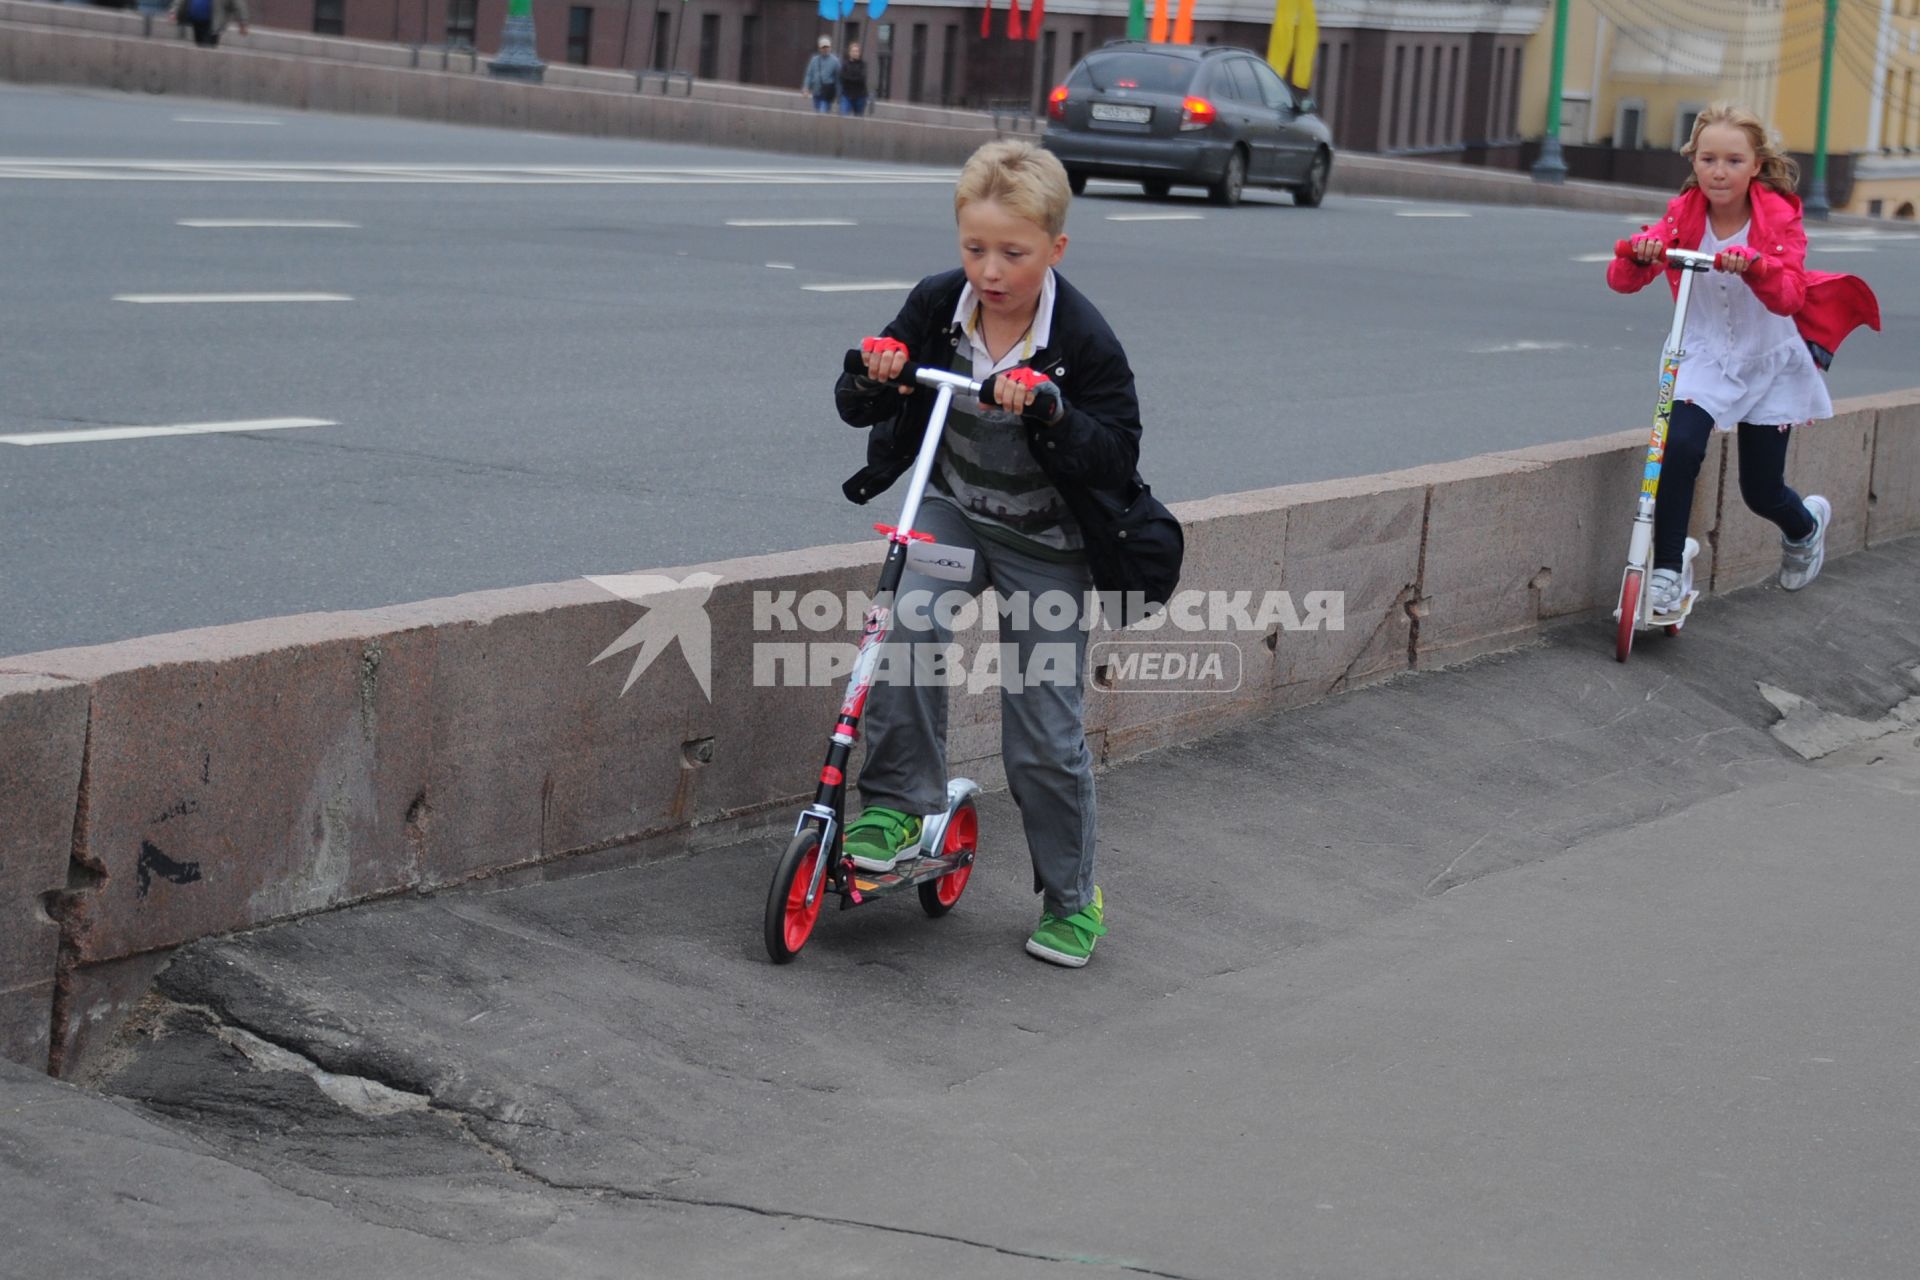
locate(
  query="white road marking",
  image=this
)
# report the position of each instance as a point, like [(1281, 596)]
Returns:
[(780, 266), (1431, 213), (1525, 344), (878, 286), (502, 175), (93, 434), (1845, 248), (236, 224), (1156, 217), (791, 222), (231, 297), (1593, 257), (223, 120)]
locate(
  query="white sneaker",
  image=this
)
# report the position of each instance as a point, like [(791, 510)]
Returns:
[(1800, 561), (1665, 591)]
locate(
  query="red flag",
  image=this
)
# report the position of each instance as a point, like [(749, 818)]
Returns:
[(1034, 18), (1013, 22), (986, 20)]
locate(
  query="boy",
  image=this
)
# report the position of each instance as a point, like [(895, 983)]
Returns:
[(1042, 490)]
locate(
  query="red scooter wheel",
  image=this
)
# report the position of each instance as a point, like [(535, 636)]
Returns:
[(1629, 614), (962, 836), (790, 920)]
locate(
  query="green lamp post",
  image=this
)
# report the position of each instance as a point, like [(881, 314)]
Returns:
[(1552, 166), (517, 59), (1817, 206)]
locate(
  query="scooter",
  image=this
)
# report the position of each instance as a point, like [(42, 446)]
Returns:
[(815, 863), (1634, 611)]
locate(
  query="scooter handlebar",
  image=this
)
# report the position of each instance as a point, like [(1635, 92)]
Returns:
[(918, 375), (1686, 259)]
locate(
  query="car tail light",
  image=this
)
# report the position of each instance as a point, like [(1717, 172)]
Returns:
[(1057, 103), (1196, 113)]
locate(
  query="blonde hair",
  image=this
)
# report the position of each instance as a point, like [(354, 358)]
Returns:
[(1771, 165), (1030, 182)]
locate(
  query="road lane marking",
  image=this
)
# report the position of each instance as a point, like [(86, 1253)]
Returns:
[(1594, 257), (1431, 213), (223, 120), (779, 266), (93, 434), (230, 297), (1156, 217), (503, 175), (791, 222), (877, 286), (236, 224), (1524, 344)]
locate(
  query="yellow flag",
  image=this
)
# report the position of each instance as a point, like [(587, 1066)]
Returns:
[(1286, 16), (1306, 45)]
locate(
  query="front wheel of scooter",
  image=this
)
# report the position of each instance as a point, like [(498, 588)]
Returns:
[(790, 920), (1629, 614), (962, 836)]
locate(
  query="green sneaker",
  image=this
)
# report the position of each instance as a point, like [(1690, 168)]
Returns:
[(1069, 940), (879, 838)]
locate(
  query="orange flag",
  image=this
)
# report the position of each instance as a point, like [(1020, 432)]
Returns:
[(1183, 25), (1159, 32), (1013, 23)]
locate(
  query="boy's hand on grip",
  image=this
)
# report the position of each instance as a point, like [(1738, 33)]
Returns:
[(1029, 393), (886, 360)]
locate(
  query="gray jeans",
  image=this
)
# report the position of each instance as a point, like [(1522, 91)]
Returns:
[(1042, 740)]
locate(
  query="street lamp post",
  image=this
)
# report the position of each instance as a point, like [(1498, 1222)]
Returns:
[(1551, 166), (1817, 206), (517, 59)]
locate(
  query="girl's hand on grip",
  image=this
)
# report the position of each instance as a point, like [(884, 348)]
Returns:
[(1648, 249), (1733, 260)]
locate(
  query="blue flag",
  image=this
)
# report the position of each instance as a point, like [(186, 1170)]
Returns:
[(846, 8), (876, 7), (830, 10)]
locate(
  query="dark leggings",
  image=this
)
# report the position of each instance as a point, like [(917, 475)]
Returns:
[(1763, 480)]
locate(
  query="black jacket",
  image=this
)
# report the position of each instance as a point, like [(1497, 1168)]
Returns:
[(1091, 455)]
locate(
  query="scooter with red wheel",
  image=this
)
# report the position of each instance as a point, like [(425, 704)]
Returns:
[(1634, 610), (815, 864)]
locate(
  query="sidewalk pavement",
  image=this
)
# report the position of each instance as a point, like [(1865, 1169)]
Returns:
[(1543, 966)]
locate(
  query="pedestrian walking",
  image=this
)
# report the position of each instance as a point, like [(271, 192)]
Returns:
[(822, 81)]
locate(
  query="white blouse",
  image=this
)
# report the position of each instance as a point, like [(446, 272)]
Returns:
[(1744, 363)]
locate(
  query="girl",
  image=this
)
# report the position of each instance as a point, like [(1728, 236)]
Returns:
[(1759, 330)]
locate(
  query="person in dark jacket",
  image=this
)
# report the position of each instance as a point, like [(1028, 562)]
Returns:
[(209, 18), (853, 82), (1041, 490)]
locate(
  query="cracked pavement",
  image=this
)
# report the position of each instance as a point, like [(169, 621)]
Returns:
[(1542, 965)]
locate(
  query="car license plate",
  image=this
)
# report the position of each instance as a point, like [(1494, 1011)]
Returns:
[(1122, 114)]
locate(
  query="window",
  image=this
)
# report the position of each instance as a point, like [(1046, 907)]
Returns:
[(662, 32), (1453, 95), (1274, 90), (1413, 95), (460, 21), (1049, 51), (749, 48), (1076, 48), (917, 64), (1433, 101), (883, 59), (1876, 208), (1630, 124), (579, 34), (1513, 95), (949, 57), (1245, 88), (1147, 72), (1683, 117), (1395, 96), (329, 17), (709, 46)]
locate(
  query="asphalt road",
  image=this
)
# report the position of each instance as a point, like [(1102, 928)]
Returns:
[(557, 356)]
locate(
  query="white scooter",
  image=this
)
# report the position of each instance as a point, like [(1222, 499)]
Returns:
[(1634, 611)]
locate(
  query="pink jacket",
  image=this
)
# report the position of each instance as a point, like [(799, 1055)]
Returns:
[(1825, 305)]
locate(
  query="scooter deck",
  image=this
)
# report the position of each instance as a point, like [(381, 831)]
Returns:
[(876, 884)]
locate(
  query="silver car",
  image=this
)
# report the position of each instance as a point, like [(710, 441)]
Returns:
[(1169, 115)]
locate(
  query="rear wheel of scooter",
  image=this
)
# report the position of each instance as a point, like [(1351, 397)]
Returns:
[(1629, 614), (789, 919), (962, 836), (1673, 628)]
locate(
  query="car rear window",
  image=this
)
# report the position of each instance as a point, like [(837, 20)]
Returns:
[(1146, 72)]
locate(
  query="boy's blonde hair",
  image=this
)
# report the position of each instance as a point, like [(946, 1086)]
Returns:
[(1771, 165), (1025, 179)]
